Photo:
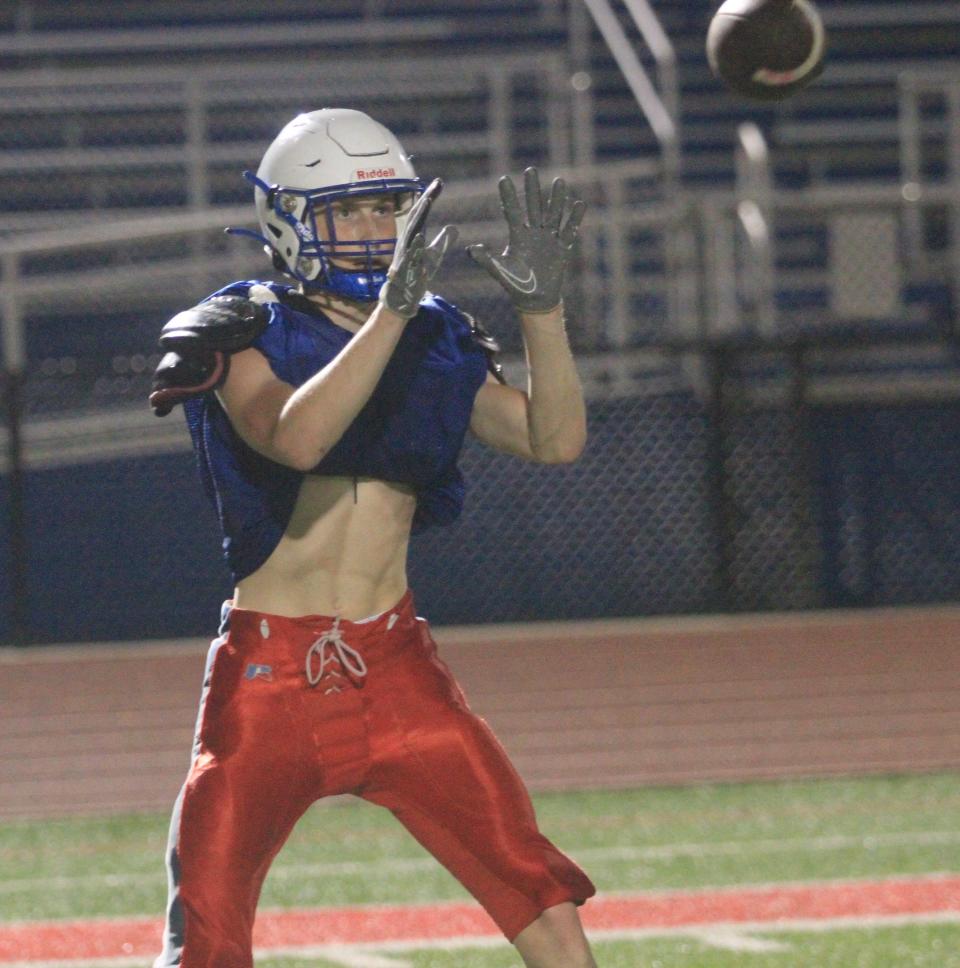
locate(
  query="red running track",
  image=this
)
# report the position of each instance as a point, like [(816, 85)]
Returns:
[(65, 940)]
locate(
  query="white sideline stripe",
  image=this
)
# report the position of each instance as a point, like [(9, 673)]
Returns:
[(384, 949), (481, 635), (923, 838), (357, 959), (730, 939)]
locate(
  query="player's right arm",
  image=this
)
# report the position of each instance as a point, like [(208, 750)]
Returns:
[(297, 426)]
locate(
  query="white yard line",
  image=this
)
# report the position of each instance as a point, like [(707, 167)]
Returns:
[(735, 939), (348, 958), (386, 866)]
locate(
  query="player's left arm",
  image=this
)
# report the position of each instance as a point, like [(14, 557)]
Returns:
[(548, 422)]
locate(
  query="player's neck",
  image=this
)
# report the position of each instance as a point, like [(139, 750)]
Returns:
[(349, 313)]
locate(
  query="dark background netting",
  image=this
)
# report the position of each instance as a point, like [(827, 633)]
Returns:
[(843, 505)]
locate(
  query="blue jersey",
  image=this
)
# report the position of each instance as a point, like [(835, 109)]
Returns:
[(411, 430)]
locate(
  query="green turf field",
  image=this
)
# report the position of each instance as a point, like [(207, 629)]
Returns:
[(927, 947), (659, 839)]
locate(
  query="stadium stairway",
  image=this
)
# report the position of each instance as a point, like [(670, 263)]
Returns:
[(842, 128)]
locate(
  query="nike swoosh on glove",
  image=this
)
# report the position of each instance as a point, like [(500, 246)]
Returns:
[(539, 247)]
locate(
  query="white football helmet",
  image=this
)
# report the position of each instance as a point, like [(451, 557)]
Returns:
[(318, 157)]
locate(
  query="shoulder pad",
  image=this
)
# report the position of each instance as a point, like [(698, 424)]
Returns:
[(224, 323), (483, 338), (199, 342)]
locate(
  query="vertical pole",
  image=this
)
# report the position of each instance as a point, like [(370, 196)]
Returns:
[(14, 358), (198, 182), (755, 210), (499, 111), (618, 313), (582, 109), (911, 173), (554, 83), (195, 110), (811, 539), (717, 364), (953, 154), (721, 311)]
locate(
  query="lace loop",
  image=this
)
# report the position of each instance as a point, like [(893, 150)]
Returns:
[(329, 647)]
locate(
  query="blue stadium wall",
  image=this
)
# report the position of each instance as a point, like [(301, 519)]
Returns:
[(845, 506)]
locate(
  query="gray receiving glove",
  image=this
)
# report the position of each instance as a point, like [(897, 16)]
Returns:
[(414, 262), (532, 265)]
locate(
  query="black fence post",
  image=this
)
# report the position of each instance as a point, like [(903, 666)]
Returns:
[(16, 507), (14, 360), (805, 479), (717, 365)]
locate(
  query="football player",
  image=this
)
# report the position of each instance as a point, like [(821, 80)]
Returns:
[(328, 414)]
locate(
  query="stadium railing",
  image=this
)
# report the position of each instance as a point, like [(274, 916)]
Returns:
[(112, 139), (82, 307)]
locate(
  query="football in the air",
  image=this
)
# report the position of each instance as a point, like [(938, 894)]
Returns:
[(766, 50)]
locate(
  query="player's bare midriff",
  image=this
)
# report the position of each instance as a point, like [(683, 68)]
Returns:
[(344, 552)]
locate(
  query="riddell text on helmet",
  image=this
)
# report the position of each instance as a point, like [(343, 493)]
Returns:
[(365, 173)]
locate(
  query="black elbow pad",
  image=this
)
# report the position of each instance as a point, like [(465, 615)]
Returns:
[(180, 376)]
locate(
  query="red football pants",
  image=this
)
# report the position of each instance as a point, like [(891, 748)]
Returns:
[(298, 709)]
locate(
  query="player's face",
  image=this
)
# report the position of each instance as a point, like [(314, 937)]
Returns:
[(359, 219)]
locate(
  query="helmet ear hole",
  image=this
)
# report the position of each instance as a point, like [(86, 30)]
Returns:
[(279, 264)]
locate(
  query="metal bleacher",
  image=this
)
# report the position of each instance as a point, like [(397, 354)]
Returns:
[(114, 110), (843, 128), (157, 109), (109, 84), (117, 138)]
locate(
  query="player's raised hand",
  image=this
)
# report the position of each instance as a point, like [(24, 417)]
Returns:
[(539, 247), (414, 262)]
